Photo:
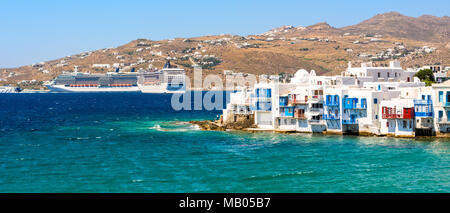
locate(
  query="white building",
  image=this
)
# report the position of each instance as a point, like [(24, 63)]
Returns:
[(364, 100), (107, 66), (441, 104)]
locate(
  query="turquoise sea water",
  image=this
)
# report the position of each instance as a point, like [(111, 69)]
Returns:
[(137, 143)]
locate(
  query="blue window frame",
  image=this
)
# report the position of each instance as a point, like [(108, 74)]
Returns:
[(441, 96), (375, 101)]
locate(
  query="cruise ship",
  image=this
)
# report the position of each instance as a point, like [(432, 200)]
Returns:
[(85, 82), (9, 89), (167, 80)]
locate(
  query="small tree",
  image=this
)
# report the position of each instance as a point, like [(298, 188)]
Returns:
[(426, 75)]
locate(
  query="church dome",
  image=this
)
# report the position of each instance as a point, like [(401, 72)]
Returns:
[(301, 76)]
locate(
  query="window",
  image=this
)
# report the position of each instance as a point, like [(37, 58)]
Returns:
[(396, 75), (404, 124), (441, 96), (388, 74), (448, 96), (379, 75), (363, 101), (410, 124), (375, 101)]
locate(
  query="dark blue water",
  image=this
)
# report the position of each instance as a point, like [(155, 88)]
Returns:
[(137, 143)]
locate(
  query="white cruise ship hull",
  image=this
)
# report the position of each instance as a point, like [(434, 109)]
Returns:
[(63, 88), (8, 90), (160, 88)]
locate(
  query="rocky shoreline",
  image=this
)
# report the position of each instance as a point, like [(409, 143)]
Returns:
[(217, 125)]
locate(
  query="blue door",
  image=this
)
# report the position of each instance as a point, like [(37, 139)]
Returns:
[(352, 119)]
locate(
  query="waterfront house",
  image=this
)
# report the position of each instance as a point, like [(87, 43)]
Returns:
[(397, 118), (441, 106), (363, 100), (261, 104)]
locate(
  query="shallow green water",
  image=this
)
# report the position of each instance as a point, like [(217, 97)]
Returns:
[(88, 143)]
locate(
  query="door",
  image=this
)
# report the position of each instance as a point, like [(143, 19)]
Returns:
[(352, 119)]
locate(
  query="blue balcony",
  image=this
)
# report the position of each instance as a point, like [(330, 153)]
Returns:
[(286, 111), (423, 114), (423, 108), (423, 102), (263, 93), (352, 103), (350, 122), (283, 101), (261, 106), (331, 117), (332, 101)]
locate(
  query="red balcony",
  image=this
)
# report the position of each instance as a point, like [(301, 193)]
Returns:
[(392, 113), (408, 113), (296, 99)]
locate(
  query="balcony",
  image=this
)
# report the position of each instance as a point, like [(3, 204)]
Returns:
[(316, 122), (316, 110), (393, 113), (242, 112), (331, 117), (422, 102), (331, 103), (355, 106), (287, 112), (297, 101), (316, 98), (352, 103), (350, 122), (286, 115), (261, 106), (263, 93), (423, 108), (423, 114)]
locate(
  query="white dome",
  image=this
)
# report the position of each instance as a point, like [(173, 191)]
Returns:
[(301, 76)]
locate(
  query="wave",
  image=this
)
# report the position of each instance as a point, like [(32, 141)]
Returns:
[(281, 175), (175, 127)]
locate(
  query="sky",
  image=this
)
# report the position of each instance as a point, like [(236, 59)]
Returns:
[(35, 31)]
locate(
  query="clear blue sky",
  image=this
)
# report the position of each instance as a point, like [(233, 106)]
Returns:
[(34, 31)]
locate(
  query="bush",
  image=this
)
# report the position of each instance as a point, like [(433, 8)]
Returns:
[(426, 75)]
